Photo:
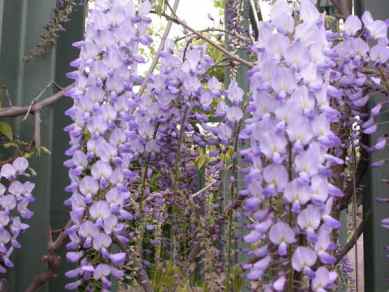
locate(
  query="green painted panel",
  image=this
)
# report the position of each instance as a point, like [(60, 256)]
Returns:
[(21, 22), (375, 237)]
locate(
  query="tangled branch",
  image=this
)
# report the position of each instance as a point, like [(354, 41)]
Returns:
[(15, 111), (53, 261), (208, 40)]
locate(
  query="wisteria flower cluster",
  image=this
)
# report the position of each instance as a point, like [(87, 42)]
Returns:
[(132, 153), (102, 141), (289, 190), (360, 58), (15, 197)]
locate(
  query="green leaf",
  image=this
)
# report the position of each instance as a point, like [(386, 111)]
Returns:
[(32, 172), (218, 4), (6, 130), (201, 160), (160, 6), (10, 145), (28, 154), (45, 150)]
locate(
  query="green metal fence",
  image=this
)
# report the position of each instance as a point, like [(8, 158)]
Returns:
[(376, 262), (21, 22)]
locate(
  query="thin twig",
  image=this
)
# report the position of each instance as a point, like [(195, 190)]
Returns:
[(154, 63), (36, 98), (204, 189), (37, 129), (352, 241), (239, 36), (208, 40), (342, 6), (255, 14), (15, 111)]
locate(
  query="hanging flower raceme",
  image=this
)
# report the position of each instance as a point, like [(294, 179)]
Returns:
[(361, 65), (15, 196), (103, 141), (288, 184), (361, 74), (173, 105)]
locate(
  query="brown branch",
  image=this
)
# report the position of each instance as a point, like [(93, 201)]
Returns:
[(15, 111), (352, 241), (4, 287), (212, 29), (208, 40), (53, 261), (343, 6)]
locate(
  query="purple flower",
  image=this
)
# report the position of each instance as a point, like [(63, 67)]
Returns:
[(235, 93), (309, 220), (101, 241), (303, 259), (7, 171), (281, 16), (281, 235), (279, 284), (74, 256), (101, 170), (352, 25), (118, 258), (110, 128), (308, 162), (290, 138), (214, 86), (309, 13), (8, 202), (89, 186), (283, 81), (323, 279), (379, 53), (234, 113), (276, 176), (20, 164), (102, 271), (323, 245), (297, 194), (376, 28), (100, 210), (88, 229), (319, 187)]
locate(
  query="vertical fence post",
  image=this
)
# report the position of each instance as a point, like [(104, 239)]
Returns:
[(237, 20), (375, 237), (22, 23)]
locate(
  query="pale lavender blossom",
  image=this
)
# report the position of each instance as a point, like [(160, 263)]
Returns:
[(303, 259), (282, 235), (15, 198), (102, 140)]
